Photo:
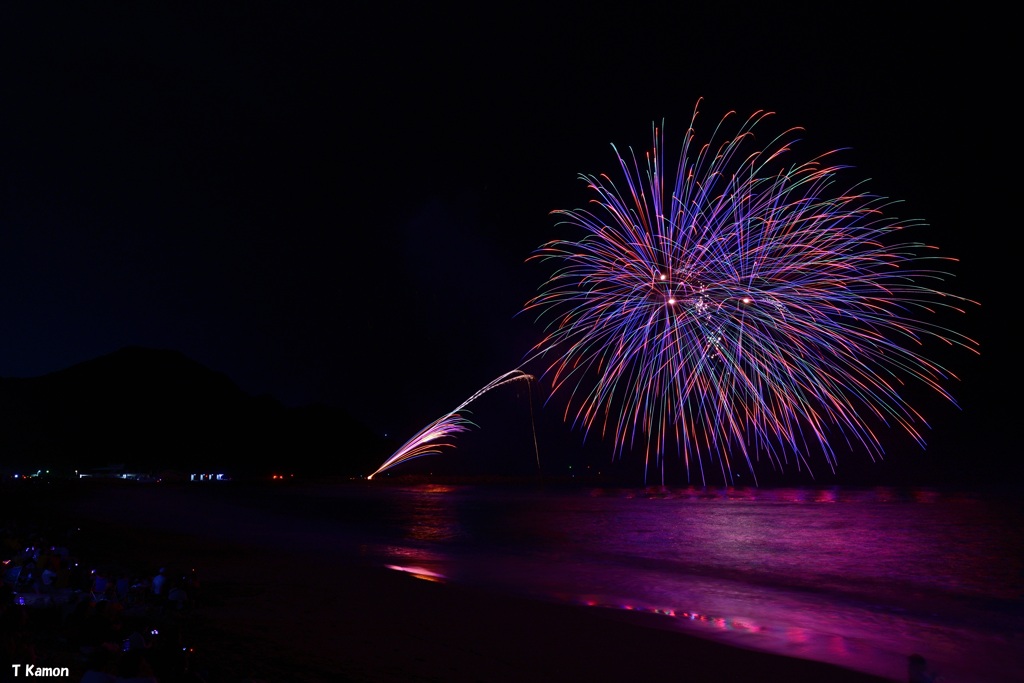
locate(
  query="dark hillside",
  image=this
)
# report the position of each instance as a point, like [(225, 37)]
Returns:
[(157, 410)]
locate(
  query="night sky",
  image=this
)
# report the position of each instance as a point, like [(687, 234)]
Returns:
[(336, 205)]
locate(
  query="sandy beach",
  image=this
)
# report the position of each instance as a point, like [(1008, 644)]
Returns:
[(280, 606)]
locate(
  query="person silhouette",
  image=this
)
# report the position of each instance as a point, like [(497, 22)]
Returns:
[(917, 670), (159, 583)]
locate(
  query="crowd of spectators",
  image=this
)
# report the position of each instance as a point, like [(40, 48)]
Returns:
[(62, 607)]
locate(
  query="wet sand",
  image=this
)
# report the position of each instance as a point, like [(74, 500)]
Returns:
[(279, 605)]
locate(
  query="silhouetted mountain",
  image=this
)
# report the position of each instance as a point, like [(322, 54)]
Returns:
[(157, 410)]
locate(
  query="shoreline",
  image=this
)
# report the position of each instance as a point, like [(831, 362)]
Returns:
[(288, 609)]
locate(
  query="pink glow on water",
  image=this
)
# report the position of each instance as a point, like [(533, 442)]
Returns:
[(859, 578)]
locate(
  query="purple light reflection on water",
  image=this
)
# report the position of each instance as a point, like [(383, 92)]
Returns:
[(860, 578)]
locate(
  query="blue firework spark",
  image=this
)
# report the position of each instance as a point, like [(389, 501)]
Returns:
[(744, 307)]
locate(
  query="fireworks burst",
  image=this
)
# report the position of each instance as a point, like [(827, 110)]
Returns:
[(439, 434), (741, 309)]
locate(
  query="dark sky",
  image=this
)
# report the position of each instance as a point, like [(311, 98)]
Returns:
[(336, 205)]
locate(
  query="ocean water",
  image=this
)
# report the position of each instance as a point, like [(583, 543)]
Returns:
[(857, 577), (860, 578)]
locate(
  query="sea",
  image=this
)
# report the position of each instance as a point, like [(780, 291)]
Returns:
[(859, 577)]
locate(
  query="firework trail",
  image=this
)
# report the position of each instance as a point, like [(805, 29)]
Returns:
[(439, 434), (743, 308)]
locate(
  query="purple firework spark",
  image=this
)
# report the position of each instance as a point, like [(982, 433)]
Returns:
[(742, 308)]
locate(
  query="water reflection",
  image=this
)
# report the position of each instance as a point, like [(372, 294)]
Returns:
[(860, 578), (433, 516), (418, 572), (429, 520), (692, 617)]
